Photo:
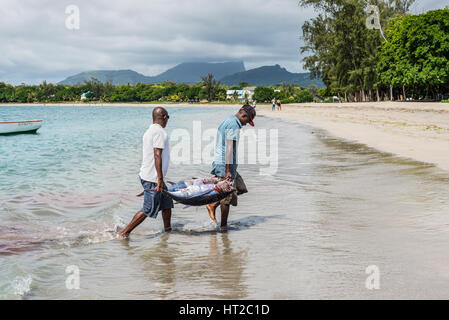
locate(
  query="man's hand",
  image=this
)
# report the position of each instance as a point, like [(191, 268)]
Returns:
[(158, 165), (229, 159), (160, 185)]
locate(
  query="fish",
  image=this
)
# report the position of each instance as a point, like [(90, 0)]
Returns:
[(199, 192)]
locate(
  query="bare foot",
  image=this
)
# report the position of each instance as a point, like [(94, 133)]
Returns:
[(121, 236), (211, 212)]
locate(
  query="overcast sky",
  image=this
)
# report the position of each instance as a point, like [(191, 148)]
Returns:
[(149, 36)]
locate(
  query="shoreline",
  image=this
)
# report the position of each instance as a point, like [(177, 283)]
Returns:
[(416, 130), (419, 131), (120, 105)]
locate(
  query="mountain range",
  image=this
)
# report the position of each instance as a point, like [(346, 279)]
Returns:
[(270, 75), (229, 73)]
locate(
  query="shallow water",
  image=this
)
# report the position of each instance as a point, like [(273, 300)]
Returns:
[(309, 231)]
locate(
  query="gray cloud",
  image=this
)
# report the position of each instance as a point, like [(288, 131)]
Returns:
[(421, 6), (146, 36)]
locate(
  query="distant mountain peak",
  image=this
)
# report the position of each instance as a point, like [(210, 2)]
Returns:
[(187, 72), (191, 72), (270, 75), (229, 73)]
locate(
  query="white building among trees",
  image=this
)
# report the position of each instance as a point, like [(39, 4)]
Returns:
[(246, 93)]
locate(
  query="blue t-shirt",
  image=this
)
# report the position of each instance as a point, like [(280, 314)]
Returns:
[(228, 130)]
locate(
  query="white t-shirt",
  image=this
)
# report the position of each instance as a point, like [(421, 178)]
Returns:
[(154, 137)]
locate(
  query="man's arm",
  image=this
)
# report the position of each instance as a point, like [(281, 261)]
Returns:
[(229, 157), (158, 165)]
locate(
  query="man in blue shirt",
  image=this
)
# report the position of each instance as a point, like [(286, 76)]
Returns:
[(224, 165)]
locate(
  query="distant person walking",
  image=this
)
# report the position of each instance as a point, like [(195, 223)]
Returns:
[(255, 104), (279, 104), (273, 108), (156, 157)]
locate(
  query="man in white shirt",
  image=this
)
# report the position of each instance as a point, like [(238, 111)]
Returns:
[(156, 157)]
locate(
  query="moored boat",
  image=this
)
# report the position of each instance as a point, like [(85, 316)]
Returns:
[(29, 126)]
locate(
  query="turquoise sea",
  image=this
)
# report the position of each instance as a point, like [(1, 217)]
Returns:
[(310, 230)]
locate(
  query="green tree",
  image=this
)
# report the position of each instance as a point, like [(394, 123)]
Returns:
[(221, 94), (263, 94), (122, 93), (304, 96), (313, 89), (7, 93), (94, 87), (211, 86), (235, 95), (415, 59), (343, 50)]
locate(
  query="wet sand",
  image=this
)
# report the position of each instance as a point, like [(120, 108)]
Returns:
[(419, 131)]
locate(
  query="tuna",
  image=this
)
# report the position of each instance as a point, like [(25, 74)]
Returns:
[(199, 192)]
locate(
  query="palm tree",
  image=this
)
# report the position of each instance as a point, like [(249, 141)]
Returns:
[(235, 95), (211, 85)]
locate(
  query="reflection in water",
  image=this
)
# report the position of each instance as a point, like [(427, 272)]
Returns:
[(211, 271), (229, 266), (160, 267)]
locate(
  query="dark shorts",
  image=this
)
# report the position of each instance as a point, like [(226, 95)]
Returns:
[(153, 201)]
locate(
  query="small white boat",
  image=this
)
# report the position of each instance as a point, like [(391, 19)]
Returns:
[(30, 126)]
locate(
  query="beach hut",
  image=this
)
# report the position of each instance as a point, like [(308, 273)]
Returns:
[(84, 95), (242, 95), (230, 94)]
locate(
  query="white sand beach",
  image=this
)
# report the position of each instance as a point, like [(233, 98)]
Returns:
[(414, 130)]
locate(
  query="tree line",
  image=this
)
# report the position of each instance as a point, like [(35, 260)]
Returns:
[(96, 91), (406, 59)]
